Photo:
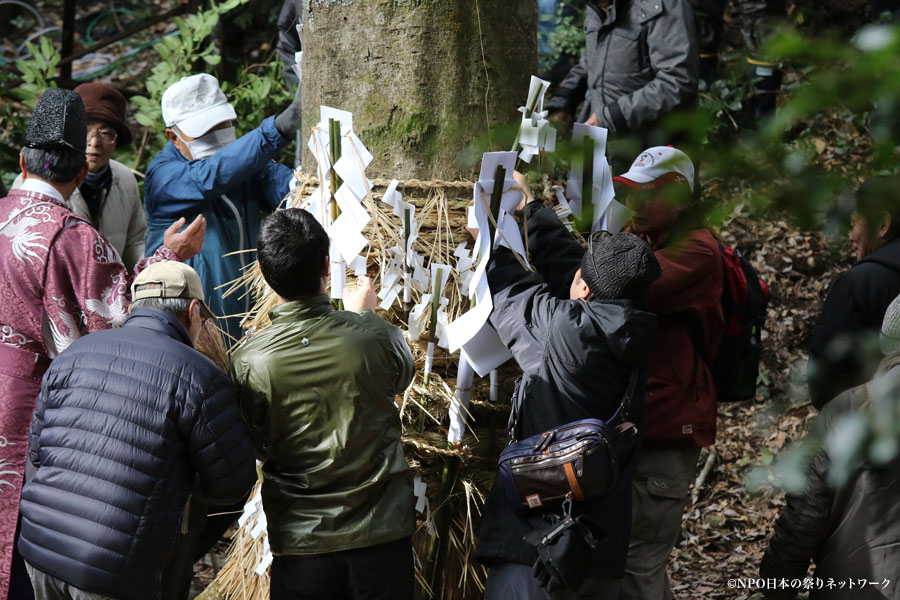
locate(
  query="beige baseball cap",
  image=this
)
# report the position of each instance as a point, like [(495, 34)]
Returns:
[(196, 104), (170, 279)]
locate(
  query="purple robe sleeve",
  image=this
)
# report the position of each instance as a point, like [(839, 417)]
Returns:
[(87, 287)]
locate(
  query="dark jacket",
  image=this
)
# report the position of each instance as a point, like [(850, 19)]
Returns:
[(680, 403), (288, 39), (639, 63), (127, 423), (853, 311), (318, 389), (850, 532), (576, 358), (231, 188)]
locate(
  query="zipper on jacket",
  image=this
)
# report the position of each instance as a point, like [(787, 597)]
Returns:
[(240, 224)]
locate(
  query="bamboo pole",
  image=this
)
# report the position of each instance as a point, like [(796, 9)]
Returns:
[(334, 138), (432, 325), (407, 267), (587, 185), (529, 109)]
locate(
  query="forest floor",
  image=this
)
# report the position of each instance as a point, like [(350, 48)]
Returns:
[(725, 527)]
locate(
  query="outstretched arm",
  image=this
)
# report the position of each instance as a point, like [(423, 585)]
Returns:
[(175, 188)]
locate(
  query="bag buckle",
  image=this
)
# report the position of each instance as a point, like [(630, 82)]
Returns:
[(546, 440)]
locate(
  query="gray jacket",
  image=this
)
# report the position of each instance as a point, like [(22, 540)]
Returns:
[(850, 532), (639, 63), (121, 219)]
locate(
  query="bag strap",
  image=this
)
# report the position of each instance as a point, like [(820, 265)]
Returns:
[(624, 406)]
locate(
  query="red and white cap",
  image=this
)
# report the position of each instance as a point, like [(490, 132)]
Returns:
[(196, 104), (658, 166)]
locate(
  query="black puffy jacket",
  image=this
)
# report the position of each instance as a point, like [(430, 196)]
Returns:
[(576, 359), (128, 422)]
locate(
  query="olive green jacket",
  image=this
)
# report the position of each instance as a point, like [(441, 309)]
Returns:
[(317, 391)]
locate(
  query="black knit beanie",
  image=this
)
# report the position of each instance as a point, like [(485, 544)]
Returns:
[(619, 267)]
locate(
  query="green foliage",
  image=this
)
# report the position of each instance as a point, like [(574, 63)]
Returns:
[(31, 78), (257, 92), (37, 72), (179, 54), (567, 38)]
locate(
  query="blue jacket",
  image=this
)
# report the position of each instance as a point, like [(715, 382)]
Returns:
[(231, 188), (127, 423)]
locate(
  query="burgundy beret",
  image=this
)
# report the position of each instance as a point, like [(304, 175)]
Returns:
[(103, 102)]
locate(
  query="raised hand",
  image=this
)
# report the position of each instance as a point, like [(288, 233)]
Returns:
[(363, 298), (186, 243)]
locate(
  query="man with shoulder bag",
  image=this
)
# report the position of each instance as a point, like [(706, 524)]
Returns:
[(579, 331)]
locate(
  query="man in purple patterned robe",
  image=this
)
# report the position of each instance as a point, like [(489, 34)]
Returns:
[(60, 279)]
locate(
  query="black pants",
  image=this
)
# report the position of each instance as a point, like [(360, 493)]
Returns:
[(382, 572), (202, 535), (508, 581)]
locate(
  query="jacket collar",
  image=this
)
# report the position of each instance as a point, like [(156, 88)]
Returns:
[(34, 187), (161, 322), (600, 17), (173, 152), (299, 310)]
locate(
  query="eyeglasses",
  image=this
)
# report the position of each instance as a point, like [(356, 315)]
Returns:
[(107, 136)]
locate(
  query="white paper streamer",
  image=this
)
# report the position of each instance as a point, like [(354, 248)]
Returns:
[(463, 392)]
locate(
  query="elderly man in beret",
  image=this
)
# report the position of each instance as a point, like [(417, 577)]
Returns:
[(60, 279)]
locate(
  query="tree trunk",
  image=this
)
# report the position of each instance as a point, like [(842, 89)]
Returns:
[(421, 81)]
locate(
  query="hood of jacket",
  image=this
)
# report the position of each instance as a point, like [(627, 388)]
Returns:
[(887, 255), (628, 327)]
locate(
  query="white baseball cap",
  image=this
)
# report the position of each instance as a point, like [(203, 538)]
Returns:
[(658, 166), (196, 104)]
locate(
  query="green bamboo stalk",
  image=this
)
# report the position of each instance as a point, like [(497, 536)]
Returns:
[(407, 270), (587, 185), (437, 545), (435, 305), (496, 196), (334, 136), (529, 108)]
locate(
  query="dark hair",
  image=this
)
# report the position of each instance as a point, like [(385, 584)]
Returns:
[(291, 251), (177, 307), (878, 195), (58, 166)]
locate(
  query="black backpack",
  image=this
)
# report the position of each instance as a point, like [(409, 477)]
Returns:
[(735, 369)]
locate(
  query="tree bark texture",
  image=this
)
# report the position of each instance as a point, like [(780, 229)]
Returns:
[(420, 79)]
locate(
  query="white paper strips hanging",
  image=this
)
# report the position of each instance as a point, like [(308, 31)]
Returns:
[(340, 210), (598, 179), (535, 131), (479, 344)]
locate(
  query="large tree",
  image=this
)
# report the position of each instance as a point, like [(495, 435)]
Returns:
[(423, 78)]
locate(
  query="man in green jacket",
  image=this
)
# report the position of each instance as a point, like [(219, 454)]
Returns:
[(317, 389)]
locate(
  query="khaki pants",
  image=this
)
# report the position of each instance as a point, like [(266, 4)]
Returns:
[(660, 490), (47, 587)]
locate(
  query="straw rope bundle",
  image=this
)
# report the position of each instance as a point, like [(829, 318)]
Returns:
[(441, 214)]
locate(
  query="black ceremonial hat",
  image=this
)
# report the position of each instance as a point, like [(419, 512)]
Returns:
[(58, 121)]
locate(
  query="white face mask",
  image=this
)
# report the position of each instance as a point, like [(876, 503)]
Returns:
[(209, 143)]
